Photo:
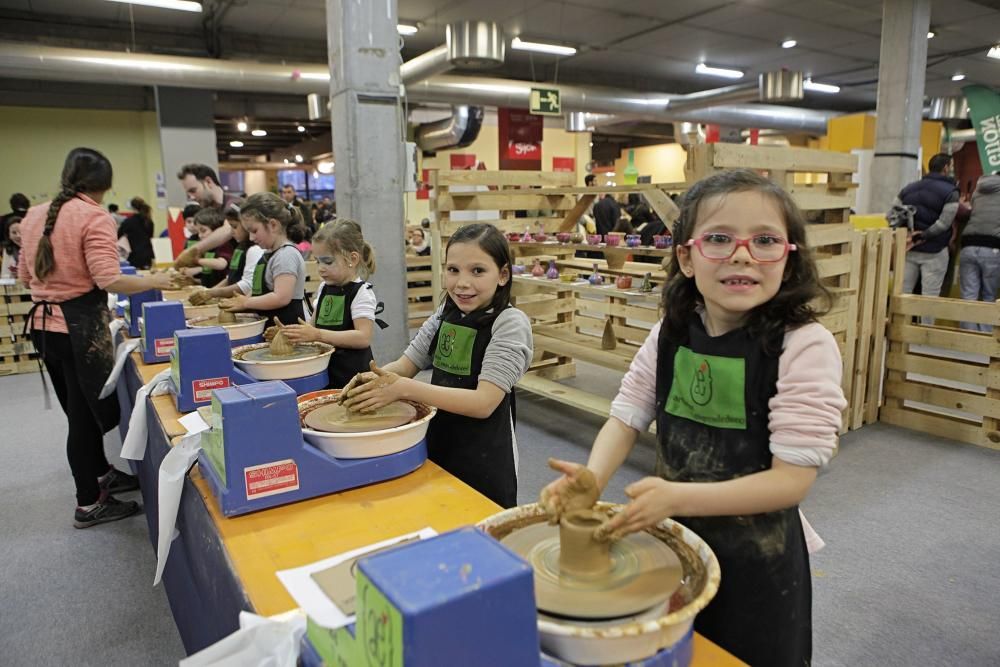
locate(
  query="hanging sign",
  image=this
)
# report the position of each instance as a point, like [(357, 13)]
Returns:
[(984, 110), (545, 102)]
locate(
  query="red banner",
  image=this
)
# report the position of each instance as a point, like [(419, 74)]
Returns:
[(175, 229), (563, 164), (462, 160), (520, 139), (424, 189)]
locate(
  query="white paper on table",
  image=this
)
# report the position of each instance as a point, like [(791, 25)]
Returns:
[(125, 348), (193, 423), (173, 470), (311, 598), (116, 326), (134, 447), (260, 642)]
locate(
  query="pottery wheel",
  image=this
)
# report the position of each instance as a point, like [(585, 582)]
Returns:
[(264, 354), (214, 321), (644, 572), (335, 418)]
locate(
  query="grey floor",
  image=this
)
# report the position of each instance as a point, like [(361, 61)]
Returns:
[(909, 576)]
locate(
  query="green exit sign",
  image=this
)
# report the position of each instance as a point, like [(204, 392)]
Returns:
[(545, 101)]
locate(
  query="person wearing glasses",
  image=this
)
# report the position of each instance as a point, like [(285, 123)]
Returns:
[(745, 388)]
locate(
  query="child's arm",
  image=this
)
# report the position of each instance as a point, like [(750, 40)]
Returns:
[(357, 338), (387, 386), (213, 263), (284, 288)]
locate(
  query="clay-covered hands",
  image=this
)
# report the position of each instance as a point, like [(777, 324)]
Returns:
[(576, 490), (652, 502), (234, 304), (303, 332), (372, 390), (160, 281), (188, 258), (199, 297)]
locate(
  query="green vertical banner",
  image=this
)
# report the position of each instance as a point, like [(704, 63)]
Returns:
[(984, 110)]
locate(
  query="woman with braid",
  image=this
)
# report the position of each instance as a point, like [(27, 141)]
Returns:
[(69, 261)]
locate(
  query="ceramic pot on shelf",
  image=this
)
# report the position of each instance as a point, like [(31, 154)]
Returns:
[(593, 239), (514, 236), (633, 240), (536, 269), (623, 282), (647, 283), (596, 278), (662, 241), (552, 273), (576, 237), (563, 237), (517, 269), (612, 240)]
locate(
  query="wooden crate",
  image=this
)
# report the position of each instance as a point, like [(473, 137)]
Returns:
[(18, 363), (419, 289)]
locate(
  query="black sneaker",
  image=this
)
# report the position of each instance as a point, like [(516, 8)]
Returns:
[(117, 481), (106, 510)]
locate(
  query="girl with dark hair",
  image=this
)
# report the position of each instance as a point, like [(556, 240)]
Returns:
[(213, 264), (279, 278), (744, 387), (69, 261), (11, 246), (479, 346), (346, 308), (138, 232)]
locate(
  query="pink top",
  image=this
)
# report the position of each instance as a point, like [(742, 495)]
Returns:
[(85, 245)]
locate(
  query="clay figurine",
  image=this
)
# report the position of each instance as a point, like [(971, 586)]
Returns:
[(526, 238), (553, 272), (608, 339), (540, 235), (536, 269), (596, 278), (647, 283)]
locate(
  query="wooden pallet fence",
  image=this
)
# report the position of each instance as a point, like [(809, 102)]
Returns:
[(942, 380), (17, 352), (419, 290)]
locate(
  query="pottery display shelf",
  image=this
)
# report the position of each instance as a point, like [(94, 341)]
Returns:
[(616, 257)]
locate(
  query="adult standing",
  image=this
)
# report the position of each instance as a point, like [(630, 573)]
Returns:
[(979, 260), (69, 261), (201, 184), (935, 198), (137, 229), (291, 197), (606, 214)]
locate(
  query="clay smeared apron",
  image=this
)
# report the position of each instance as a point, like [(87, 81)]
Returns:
[(333, 313), (293, 310), (480, 452), (712, 419), (88, 319)]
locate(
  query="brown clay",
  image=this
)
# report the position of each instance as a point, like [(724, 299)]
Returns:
[(609, 340), (280, 346), (227, 317), (579, 552), (335, 418)]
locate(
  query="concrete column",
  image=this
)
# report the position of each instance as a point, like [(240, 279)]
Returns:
[(366, 119), (901, 74), (186, 118)]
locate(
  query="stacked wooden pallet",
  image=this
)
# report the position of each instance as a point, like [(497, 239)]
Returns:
[(17, 353)]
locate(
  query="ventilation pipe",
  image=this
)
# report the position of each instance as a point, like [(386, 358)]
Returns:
[(782, 86), (457, 131)]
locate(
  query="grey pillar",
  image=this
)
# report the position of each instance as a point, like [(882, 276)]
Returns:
[(901, 74), (186, 118), (368, 147)]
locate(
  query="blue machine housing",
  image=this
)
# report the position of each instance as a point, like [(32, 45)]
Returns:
[(133, 309), (255, 457), (127, 270), (160, 319)]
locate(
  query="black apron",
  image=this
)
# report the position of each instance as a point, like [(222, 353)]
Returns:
[(208, 277), (88, 321), (480, 452), (293, 310), (333, 313), (237, 263), (712, 419)]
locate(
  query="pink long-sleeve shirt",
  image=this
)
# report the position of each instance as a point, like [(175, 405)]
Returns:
[(85, 246)]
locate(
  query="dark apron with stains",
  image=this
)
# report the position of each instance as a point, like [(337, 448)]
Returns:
[(333, 313), (712, 419), (480, 452), (88, 321), (291, 312), (237, 263)]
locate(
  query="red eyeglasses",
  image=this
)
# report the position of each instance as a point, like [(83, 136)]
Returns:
[(764, 248)]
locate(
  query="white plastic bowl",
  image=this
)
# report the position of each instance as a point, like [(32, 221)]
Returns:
[(363, 445), (625, 640), (239, 330), (282, 370)]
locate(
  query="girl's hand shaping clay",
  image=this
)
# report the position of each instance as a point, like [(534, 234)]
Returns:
[(303, 332), (575, 490), (374, 390), (652, 502), (235, 304)]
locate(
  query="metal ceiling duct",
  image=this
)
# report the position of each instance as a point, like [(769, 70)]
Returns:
[(576, 121), (948, 108), (781, 86), (457, 131), (475, 44), (32, 61), (426, 65)]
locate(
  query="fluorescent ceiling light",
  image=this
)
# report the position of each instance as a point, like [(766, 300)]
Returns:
[(957, 77), (325, 167), (315, 76), (298, 158), (241, 126), (540, 47), (301, 128), (828, 88), (406, 29), (930, 34), (788, 44), (259, 133), (179, 5), (286, 161), (994, 52), (702, 68), (135, 63), (236, 143)]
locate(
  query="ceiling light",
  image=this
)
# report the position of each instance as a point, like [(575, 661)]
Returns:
[(815, 87), (406, 29), (180, 5), (286, 161), (241, 126), (236, 144), (702, 68), (788, 44), (930, 34), (540, 47), (298, 158), (301, 128), (325, 167), (957, 77), (259, 133), (994, 52), (315, 76)]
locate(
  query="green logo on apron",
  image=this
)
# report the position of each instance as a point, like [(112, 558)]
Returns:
[(708, 389), (234, 263), (454, 349), (258, 278), (331, 311), (208, 255)]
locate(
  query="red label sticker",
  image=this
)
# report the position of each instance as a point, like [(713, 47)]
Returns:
[(162, 347), (202, 389), (271, 478)]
